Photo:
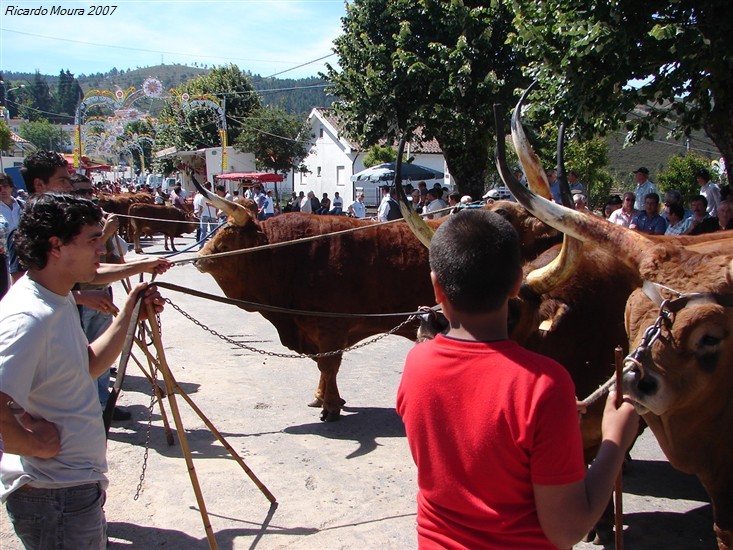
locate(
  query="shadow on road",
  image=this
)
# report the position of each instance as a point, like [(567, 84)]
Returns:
[(361, 424)]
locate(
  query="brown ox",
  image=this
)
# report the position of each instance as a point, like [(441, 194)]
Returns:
[(683, 382), (120, 204), (148, 219)]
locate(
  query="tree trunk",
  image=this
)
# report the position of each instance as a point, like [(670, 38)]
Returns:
[(719, 127), (468, 162)]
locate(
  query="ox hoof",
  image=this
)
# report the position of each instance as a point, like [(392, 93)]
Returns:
[(330, 416), (316, 403)]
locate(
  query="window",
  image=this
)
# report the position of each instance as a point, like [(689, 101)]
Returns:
[(340, 180), (318, 172), (320, 132)]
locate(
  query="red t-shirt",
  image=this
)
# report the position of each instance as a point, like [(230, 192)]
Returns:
[(485, 421)]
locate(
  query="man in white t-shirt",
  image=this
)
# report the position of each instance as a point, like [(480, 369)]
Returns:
[(53, 468), (206, 213), (357, 209), (709, 190)]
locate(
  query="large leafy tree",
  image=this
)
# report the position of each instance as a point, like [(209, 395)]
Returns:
[(44, 135), (607, 64), (199, 128), (278, 140), (405, 64), (68, 93)]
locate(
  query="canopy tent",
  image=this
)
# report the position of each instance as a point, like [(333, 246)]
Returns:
[(86, 165), (259, 177), (386, 173)]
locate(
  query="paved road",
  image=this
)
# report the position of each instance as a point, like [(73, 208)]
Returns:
[(344, 485)]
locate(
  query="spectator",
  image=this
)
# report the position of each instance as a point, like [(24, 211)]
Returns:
[(315, 203), (454, 201), (423, 188), (433, 202), (176, 197), (306, 203), (293, 204), (493, 427), (554, 185), (581, 203), (10, 210), (268, 210), (160, 197), (625, 215), (491, 196), (325, 205), (53, 470), (649, 221), (709, 190), (4, 273), (701, 221), (614, 203), (574, 183), (725, 215), (357, 209), (388, 209), (417, 200), (675, 196), (677, 223), (337, 205), (643, 187), (206, 213)]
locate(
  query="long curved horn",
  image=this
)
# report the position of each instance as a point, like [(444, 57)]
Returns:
[(238, 213), (422, 230), (562, 178), (536, 176), (566, 262), (613, 238)]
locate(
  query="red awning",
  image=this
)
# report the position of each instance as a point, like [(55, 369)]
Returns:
[(260, 177)]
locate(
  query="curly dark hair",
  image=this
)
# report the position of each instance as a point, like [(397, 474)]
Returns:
[(42, 165), (51, 215)]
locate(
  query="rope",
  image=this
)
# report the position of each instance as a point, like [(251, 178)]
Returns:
[(195, 220), (276, 309), (285, 243)]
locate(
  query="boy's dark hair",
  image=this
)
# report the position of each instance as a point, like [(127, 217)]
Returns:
[(700, 198), (51, 215), (42, 165), (475, 257), (79, 178), (220, 188)]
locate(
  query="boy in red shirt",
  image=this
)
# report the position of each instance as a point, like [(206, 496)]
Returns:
[(492, 427)]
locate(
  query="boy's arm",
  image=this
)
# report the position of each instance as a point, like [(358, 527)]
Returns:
[(109, 273), (24, 435), (585, 501), (105, 349)]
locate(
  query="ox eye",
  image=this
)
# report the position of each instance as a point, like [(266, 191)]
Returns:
[(709, 341)]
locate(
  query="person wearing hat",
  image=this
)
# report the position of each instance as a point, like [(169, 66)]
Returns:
[(643, 187), (709, 190)]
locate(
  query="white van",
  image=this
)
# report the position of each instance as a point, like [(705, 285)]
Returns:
[(154, 181), (169, 184)]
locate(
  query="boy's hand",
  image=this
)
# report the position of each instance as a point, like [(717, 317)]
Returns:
[(99, 300), (619, 425), (44, 433)]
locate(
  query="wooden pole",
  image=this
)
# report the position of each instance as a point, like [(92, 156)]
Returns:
[(167, 378), (158, 393), (618, 487)]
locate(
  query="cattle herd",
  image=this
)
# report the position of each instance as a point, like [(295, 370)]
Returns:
[(681, 380)]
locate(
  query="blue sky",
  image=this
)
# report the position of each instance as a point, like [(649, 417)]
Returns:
[(265, 37)]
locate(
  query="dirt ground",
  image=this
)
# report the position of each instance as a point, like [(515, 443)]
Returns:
[(343, 485)]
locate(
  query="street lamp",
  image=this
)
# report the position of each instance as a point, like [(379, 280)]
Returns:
[(6, 113)]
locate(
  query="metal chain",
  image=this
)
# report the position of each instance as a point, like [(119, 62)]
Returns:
[(154, 387), (288, 355)]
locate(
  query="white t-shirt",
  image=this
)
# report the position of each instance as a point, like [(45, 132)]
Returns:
[(44, 367), (267, 206), (199, 203), (359, 209), (338, 202), (305, 206)]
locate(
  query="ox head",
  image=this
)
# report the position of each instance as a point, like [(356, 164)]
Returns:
[(241, 231), (683, 382)]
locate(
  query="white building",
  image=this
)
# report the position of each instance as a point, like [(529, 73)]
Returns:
[(334, 159)]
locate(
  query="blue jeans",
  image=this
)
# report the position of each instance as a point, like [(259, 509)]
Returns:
[(208, 223), (66, 518), (95, 323)]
